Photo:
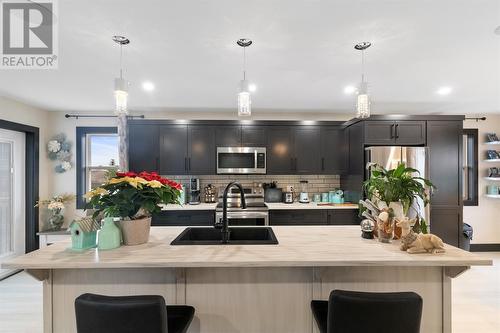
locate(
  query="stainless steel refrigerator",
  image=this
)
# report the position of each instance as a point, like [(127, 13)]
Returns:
[(414, 157)]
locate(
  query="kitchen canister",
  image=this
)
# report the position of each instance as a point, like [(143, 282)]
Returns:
[(317, 197), (324, 197), (331, 196)]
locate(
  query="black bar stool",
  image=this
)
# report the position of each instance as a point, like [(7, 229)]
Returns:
[(130, 314), (353, 311)]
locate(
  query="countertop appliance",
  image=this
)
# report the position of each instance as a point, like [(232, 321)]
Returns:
[(210, 193), (413, 157), (241, 160), (303, 195), (256, 213), (288, 197), (194, 191)]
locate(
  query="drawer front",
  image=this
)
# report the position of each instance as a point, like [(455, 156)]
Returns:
[(298, 217), (183, 218), (343, 217)]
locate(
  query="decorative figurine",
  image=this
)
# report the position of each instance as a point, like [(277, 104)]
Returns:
[(418, 243), (367, 227)]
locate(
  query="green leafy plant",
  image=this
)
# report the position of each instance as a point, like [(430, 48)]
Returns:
[(401, 184), (133, 196)]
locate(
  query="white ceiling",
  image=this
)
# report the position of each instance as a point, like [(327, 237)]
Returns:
[(301, 59)]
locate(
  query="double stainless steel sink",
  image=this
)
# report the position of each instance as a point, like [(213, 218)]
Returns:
[(237, 236)]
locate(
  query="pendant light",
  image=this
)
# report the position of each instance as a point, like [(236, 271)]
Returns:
[(363, 100), (244, 99), (121, 85)]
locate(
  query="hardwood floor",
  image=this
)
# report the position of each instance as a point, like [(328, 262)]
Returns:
[(476, 301)]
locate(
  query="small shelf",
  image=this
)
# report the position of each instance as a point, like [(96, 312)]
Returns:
[(496, 160), (492, 143), (495, 179), (493, 196)]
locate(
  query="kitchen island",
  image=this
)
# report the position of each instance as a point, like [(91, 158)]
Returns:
[(247, 288)]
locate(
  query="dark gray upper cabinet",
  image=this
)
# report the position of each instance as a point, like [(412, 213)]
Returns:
[(144, 147), (228, 136), (280, 159), (307, 149), (388, 132), (410, 132), (201, 150), (334, 150), (173, 149), (253, 136)]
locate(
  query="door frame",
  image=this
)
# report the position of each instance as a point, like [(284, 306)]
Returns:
[(31, 181)]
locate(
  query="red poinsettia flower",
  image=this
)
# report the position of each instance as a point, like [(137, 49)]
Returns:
[(126, 174)]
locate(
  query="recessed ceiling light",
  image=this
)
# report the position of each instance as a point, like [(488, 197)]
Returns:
[(148, 86), (444, 91), (252, 87), (350, 90)]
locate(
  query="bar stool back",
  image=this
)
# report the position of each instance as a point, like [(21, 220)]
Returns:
[(130, 314), (352, 311)]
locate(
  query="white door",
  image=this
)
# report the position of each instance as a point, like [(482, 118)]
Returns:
[(12, 197)]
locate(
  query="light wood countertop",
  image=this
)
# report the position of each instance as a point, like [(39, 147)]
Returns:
[(299, 246)]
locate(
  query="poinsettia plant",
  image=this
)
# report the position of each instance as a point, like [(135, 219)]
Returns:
[(131, 195)]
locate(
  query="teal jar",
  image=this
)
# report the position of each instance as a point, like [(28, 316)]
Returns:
[(109, 237)]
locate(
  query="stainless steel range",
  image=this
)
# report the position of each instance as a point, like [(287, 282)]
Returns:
[(256, 213)]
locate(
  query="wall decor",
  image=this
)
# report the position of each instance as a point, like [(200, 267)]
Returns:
[(59, 149)]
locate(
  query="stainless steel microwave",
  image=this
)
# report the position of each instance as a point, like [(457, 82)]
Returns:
[(241, 160)]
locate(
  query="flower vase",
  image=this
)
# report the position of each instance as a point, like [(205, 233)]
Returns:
[(56, 220), (109, 237), (386, 230)]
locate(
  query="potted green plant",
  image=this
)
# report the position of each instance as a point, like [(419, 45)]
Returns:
[(398, 189), (133, 197)]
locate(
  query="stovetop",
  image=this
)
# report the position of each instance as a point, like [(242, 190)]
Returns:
[(251, 206)]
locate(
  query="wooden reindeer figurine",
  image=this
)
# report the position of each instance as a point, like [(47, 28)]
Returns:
[(418, 243)]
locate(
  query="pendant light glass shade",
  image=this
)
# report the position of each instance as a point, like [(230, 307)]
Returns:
[(121, 96), (244, 99), (363, 101)]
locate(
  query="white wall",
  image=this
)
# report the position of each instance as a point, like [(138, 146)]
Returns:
[(485, 218), (24, 114)]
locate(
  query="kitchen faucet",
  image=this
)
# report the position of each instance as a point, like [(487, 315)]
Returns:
[(223, 225)]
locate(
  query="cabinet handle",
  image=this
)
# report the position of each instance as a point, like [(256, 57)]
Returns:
[(396, 131), (392, 131), (189, 163)]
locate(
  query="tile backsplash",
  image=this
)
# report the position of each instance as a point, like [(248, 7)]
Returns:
[(316, 183)]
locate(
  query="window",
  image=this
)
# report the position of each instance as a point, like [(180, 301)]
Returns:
[(470, 166), (97, 154)]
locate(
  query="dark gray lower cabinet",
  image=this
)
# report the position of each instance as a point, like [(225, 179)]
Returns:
[(314, 217), (298, 217), (183, 218), (343, 217), (446, 222)]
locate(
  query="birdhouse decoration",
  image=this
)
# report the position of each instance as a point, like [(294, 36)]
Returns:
[(84, 233)]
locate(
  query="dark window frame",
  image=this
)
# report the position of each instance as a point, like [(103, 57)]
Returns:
[(473, 172), (81, 159)]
